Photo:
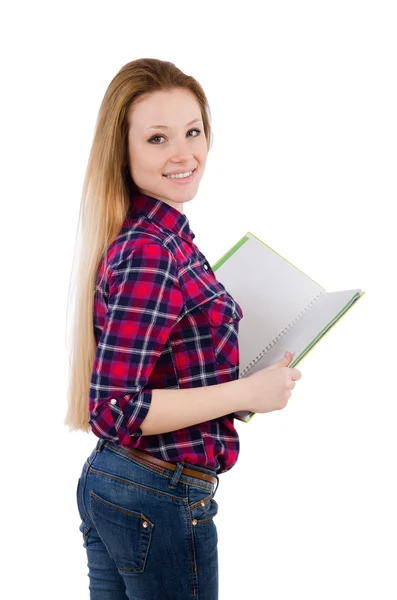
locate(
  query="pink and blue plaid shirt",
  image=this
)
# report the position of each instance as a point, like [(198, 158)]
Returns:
[(161, 320)]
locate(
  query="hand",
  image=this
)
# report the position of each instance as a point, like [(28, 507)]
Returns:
[(270, 388)]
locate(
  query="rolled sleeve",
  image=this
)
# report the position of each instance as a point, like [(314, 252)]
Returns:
[(144, 303)]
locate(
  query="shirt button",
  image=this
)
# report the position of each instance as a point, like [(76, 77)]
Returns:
[(206, 267), (194, 522), (113, 401)]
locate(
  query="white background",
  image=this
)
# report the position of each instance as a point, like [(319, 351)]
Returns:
[(303, 98)]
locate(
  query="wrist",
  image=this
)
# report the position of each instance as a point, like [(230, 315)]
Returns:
[(246, 399)]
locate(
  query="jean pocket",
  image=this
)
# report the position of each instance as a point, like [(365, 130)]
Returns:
[(203, 507), (222, 315), (126, 534)]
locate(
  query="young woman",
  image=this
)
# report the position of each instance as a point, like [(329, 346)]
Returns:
[(155, 363)]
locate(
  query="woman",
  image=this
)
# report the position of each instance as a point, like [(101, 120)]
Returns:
[(154, 370)]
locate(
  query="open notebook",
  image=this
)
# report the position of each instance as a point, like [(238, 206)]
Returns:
[(283, 308)]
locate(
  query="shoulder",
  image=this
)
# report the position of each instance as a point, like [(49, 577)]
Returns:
[(145, 261), (135, 245), (140, 248)]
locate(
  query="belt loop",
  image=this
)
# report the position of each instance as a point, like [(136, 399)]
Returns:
[(217, 483), (176, 475), (100, 444)]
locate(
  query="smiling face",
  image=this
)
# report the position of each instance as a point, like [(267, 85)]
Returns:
[(177, 147)]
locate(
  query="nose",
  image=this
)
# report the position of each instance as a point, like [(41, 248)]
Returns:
[(181, 150)]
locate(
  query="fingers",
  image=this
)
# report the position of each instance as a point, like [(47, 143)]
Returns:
[(296, 374)]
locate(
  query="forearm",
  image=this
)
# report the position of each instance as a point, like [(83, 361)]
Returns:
[(175, 409)]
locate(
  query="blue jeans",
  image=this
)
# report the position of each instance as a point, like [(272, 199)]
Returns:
[(149, 533)]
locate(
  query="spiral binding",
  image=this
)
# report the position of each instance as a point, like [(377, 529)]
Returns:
[(279, 336)]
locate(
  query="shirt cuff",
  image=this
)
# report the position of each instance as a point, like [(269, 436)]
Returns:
[(128, 413)]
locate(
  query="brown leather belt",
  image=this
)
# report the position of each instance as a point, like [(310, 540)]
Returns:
[(169, 465)]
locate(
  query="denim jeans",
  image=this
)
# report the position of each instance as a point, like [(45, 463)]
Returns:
[(148, 532)]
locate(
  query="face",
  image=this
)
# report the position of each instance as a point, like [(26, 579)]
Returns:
[(178, 146)]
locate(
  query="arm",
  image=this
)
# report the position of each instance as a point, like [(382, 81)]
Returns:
[(175, 409)]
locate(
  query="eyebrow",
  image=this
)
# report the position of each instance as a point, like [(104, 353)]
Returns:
[(166, 127)]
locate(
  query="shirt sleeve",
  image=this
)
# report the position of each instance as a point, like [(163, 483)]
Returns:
[(144, 302)]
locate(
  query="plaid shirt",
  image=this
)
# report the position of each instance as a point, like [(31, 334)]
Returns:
[(161, 320)]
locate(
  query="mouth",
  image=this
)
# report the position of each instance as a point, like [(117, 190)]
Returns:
[(182, 179)]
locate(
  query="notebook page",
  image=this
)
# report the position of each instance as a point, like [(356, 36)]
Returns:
[(270, 291)]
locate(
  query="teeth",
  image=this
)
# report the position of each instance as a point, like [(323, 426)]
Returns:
[(180, 175)]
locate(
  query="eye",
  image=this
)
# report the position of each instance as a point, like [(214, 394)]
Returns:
[(160, 136)]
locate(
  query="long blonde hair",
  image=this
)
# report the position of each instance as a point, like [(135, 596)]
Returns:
[(104, 205)]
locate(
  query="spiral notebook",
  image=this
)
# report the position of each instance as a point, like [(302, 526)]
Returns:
[(283, 309)]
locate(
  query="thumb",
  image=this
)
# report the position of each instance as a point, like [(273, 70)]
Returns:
[(287, 358)]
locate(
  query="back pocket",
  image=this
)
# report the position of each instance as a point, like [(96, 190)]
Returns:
[(126, 534)]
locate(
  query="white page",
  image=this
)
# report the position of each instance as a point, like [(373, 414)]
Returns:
[(270, 291)]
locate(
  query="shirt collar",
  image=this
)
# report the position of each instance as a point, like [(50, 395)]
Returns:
[(163, 214)]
